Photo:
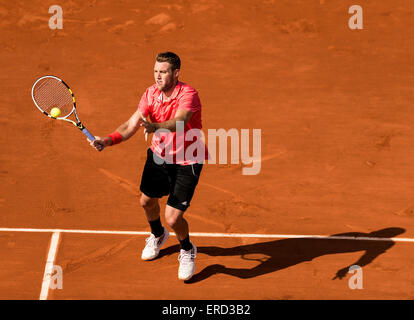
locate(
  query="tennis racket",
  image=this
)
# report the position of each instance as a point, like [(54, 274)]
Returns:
[(50, 92)]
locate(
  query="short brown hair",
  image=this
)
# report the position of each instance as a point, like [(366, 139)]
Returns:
[(171, 58)]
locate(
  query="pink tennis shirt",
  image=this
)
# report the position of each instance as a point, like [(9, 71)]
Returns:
[(185, 146)]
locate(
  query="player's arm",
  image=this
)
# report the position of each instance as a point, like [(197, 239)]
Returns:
[(122, 133), (183, 115), (129, 127)]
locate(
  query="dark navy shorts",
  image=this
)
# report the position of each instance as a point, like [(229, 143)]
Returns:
[(177, 181)]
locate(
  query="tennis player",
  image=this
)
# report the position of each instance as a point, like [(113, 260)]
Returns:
[(168, 104)]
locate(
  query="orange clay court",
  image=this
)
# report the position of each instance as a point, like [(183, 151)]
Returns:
[(335, 107)]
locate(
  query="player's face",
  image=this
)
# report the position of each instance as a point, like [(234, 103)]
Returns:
[(164, 77)]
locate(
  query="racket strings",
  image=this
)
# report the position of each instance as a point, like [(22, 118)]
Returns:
[(50, 93)]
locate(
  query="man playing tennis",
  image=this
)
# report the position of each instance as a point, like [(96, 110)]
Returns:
[(169, 104)]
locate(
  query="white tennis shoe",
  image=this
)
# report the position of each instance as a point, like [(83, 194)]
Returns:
[(187, 263), (153, 245)]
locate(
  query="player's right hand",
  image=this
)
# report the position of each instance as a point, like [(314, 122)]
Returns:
[(99, 143)]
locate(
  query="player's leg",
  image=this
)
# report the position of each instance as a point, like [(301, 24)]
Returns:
[(159, 234), (175, 220), (152, 211), (184, 181), (154, 185)]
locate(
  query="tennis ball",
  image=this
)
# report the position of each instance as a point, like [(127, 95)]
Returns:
[(55, 112)]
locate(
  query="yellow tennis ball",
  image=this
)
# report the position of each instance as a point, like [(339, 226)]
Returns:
[(55, 112)]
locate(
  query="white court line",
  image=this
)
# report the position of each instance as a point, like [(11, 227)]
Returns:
[(49, 265), (211, 235)]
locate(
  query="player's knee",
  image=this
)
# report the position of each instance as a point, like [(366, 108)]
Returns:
[(147, 203), (171, 221)]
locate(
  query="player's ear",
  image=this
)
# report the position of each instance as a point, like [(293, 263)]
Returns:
[(176, 73)]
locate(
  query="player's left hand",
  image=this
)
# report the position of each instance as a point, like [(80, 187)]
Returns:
[(148, 126)]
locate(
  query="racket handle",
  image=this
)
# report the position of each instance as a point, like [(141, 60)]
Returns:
[(89, 135)]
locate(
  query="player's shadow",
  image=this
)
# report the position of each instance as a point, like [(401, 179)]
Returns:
[(280, 254)]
